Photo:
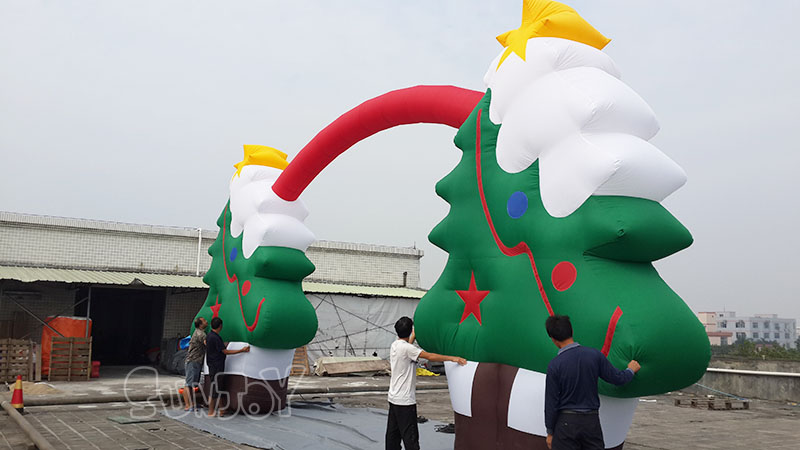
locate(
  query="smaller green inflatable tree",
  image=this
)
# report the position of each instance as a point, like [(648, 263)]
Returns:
[(259, 298)]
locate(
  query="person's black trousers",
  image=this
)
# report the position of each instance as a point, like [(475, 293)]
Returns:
[(217, 377), (578, 431), (402, 424)]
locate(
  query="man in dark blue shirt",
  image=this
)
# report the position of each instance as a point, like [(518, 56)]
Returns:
[(216, 353), (571, 401)]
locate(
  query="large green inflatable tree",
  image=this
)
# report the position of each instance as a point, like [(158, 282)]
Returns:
[(511, 264)]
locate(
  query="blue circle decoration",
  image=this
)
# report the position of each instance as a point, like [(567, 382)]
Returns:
[(517, 204), (234, 252)]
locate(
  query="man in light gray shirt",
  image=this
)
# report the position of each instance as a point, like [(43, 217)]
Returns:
[(403, 356)]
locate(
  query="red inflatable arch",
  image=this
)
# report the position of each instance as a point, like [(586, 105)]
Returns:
[(446, 105)]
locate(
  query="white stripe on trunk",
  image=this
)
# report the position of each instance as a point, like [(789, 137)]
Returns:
[(459, 383), (259, 363)]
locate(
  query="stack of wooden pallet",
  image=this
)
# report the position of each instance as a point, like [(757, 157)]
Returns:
[(713, 403), (70, 359), (300, 363), (16, 358)]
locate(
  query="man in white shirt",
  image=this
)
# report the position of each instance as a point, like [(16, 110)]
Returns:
[(403, 357)]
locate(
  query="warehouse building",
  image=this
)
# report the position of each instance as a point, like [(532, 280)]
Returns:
[(142, 284)]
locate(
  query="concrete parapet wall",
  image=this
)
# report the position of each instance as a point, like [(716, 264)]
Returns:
[(778, 386), (763, 365)]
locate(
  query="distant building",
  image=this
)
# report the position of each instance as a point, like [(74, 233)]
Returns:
[(725, 327), (715, 337)]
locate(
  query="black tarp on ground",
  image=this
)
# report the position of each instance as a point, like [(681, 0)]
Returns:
[(310, 426)]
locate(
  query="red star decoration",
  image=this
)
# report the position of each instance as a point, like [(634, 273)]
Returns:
[(472, 300), (215, 308)]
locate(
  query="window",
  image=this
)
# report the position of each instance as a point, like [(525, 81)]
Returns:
[(777, 335), (741, 336), (755, 324), (766, 325), (740, 324), (755, 335), (786, 336), (777, 326), (723, 340), (723, 324)]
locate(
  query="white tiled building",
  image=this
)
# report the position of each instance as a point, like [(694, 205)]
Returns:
[(146, 281), (760, 327)]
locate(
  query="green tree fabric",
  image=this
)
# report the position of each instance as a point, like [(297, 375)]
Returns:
[(611, 242), (260, 299)]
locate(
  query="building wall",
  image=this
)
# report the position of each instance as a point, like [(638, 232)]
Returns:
[(364, 264), (43, 241), (179, 310), (709, 321), (42, 299), (717, 339)]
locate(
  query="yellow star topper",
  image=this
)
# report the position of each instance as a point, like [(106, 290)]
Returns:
[(262, 156), (545, 18)]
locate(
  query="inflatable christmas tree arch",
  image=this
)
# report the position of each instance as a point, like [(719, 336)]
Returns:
[(555, 209)]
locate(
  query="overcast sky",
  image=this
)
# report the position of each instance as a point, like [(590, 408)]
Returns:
[(135, 111)]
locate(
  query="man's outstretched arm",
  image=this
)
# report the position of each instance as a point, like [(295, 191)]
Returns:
[(244, 349), (612, 375), (442, 358)]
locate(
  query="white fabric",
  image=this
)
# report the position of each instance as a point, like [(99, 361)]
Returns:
[(403, 385), (356, 326), (459, 383), (642, 170), (265, 218), (526, 404), (565, 106), (542, 56), (616, 417), (570, 173), (259, 363)]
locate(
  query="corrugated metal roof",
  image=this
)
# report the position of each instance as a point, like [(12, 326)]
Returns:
[(325, 288), (33, 274)]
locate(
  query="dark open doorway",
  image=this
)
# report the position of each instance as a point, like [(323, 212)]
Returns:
[(126, 323)]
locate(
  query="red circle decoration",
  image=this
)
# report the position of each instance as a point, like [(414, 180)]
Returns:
[(564, 275), (245, 287)]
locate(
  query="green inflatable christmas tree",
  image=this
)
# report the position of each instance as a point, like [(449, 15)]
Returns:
[(511, 264), (255, 283), (260, 299)]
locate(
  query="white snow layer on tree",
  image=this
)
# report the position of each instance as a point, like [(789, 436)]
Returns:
[(566, 106), (265, 218)]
